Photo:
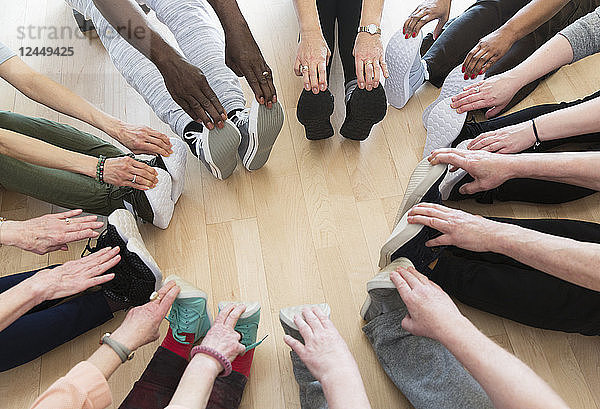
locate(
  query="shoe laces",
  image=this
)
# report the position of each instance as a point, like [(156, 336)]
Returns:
[(181, 316), (89, 249), (244, 330)]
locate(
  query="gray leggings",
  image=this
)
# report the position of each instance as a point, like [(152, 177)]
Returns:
[(199, 35)]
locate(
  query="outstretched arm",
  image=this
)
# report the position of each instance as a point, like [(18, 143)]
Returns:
[(509, 383), (369, 59), (47, 92)]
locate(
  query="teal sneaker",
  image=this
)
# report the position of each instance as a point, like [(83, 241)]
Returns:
[(247, 325), (188, 314)]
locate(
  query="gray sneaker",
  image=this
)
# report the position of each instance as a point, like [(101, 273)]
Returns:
[(216, 148), (286, 318), (259, 127), (382, 293)]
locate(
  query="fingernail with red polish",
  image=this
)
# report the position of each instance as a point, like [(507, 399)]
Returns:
[(480, 72), (466, 76), (406, 36), (414, 35), (473, 76), (463, 68), (403, 31)]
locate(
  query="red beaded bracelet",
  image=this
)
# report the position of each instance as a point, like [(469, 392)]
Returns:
[(226, 363)]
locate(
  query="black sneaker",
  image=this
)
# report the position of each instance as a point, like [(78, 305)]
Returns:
[(314, 111), (85, 26), (363, 110)]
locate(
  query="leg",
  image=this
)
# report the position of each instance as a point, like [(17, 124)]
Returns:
[(348, 16), (138, 71), (34, 334), (502, 286), (200, 37), (327, 15), (453, 45), (227, 392), (12, 280), (423, 369)]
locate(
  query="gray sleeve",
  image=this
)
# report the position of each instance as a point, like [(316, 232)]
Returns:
[(584, 35), (5, 53)]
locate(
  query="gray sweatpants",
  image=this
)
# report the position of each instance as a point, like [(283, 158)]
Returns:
[(423, 369), (200, 37)]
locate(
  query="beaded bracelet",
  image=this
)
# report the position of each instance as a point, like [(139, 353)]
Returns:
[(100, 169), (226, 363)]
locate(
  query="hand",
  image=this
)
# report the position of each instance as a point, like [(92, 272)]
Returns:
[(222, 336), (431, 312), (459, 228), (313, 53), (243, 56), (369, 61), (50, 232), (120, 172), (486, 52), (76, 276), (427, 11), (324, 351), (190, 90), (510, 139), (141, 324), (489, 170), (142, 139), (494, 92)]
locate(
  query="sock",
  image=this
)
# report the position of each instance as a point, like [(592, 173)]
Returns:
[(350, 87), (183, 350), (416, 77), (243, 363)]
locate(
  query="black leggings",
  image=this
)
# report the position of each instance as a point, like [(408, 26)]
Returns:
[(530, 190), (462, 34), (347, 15), (503, 286)]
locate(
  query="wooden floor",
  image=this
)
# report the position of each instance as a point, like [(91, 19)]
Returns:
[(306, 228)]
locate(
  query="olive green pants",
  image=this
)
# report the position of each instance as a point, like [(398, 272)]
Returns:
[(59, 187)]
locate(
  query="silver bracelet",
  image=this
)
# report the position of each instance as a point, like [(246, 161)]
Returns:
[(121, 350)]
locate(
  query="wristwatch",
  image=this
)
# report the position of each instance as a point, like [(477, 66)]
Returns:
[(121, 350), (371, 29)]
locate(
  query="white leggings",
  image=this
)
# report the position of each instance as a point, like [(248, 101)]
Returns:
[(199, 35)]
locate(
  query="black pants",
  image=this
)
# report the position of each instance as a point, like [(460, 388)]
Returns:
[(462, 34), (505, 287), (347, 15), (530, 190)]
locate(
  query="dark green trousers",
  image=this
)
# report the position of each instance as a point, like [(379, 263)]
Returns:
[(59, 187)]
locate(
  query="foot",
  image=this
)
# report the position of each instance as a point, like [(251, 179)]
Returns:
[(453, 84), (188, 314), (407, 72), (314, 112), (382, 293), (259, 128), (423, 186), (286, 318), (443, 126), (408, 240), (363, 110), (175, 165), (215, 148), (247, 325), (454, 180)]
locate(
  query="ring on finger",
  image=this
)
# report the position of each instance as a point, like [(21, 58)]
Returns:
[(67, 220), (368, 62), (476, 90), (134, 178), (266, 74), (304, 68), (154, 296)]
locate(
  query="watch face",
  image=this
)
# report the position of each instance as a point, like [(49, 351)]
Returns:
[(372, 28)]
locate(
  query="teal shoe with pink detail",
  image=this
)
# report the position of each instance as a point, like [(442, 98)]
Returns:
[(189, 314), (247, 325)]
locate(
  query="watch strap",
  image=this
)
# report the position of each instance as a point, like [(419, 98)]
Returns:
[(365, 29), (121, 350)]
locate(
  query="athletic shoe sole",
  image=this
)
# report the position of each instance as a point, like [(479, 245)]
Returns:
[(363, 110), (400, 54), (263, 129), (286, 315), (137, 247), (187, 290), (160, 201), (443, 126), (314, 112), (452, 178), (251, 307), (402, 234), (124, 222), (423, 178), (382, 280), (219, 148), (453, 84), (175, 164)]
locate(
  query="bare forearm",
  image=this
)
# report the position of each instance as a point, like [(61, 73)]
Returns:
[(530, 17), (196, 383), (567, 259), (17, 300), (580, 119), (106, 360), (308, 16), (371, 12), (345, 389), (229, 14), (40, 153), (508, 382)]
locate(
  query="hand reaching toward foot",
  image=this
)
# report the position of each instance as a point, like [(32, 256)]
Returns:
[(314, 54)]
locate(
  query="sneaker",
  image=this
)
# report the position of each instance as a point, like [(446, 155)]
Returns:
[(314, 112), (247, 324), (453, 84), (407, 72), (216, 148), (443, 126), (363, 110), (188, 313), (286, 318), (84, 25), (423, 186), (154, 205), (259, 127), (382, 295), (450, 183), (408, 240), (175, 165)]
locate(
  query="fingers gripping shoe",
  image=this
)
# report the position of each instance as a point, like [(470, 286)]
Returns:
[(247, 324), (453, 180), (286, 317), (188, 313)]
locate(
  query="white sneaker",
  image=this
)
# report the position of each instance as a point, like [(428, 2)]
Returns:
[(407, 73)]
